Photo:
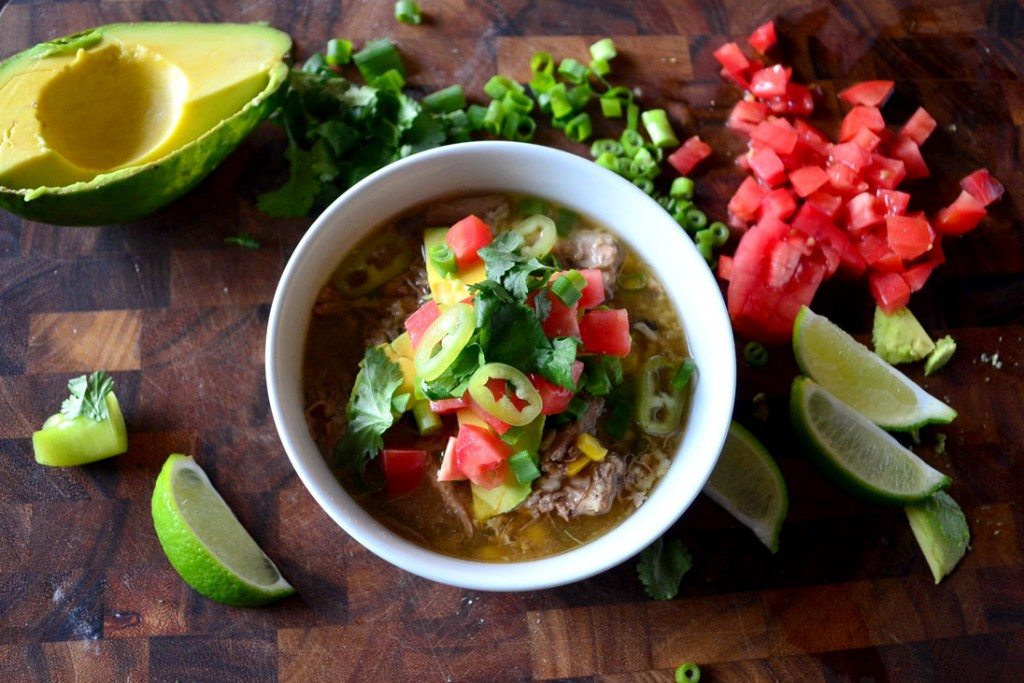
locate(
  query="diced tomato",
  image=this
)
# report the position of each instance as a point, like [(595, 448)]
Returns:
[(606, 331), (852, 155), (466, 237), (747, 200), (895, 202), (777, 134), (917, 276), (499, 426), (448, 471), (885, 172), (746, 115), (739, 78), (403, 470), (919, 126), (448, 405), (763, 37), (593, 292), (689, 154), (866, 139), (779, 203), (562, 320), (417, 323), (860, 117), (907, 151), (868, 93), (769, 82), (863, 213), (828, 204), (843, 177), (724, 270), (808, 180), (767, 166), (890, 290), (836, 246), (797, 101), (982, 186), (732, 59), (813, 138), (555, 398), (877, 254), (908, 237), (481, 456), (961, 216)]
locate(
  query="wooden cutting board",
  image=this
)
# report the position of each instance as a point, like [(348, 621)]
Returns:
[(179, 318)]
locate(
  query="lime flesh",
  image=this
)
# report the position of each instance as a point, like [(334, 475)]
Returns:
[(857, 454), (860, 379), (748, 484), (205, 542), (940, 527)]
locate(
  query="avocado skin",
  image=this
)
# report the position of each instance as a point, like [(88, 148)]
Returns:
[(131, 193)]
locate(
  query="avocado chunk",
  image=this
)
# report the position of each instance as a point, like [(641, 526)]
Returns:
[(110, 124), (944, 350), (899, 338), (940, 527)]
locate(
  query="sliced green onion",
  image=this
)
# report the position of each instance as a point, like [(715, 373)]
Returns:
[(579, 96), (608, 160), (705, 244), (542, 82), (611, 108), (400, 403), (427, 421), (512, 435), (577, 406), (494, 117), (339, 51), (523, 466), (565, 221), (446, 100), (633, 281), (631, 141), (697, 219), (498, 85), (720, 231), (378, 57), (621, 93), (408, 12), (659, 129), (684, 374), (681, 187), (517, 102), (645, 184), (509, 122), (542, 63), (755, 354), (476, 115), (688, 672), (532, 205), (569, 287), (632, 116), (559, 102), (526, 128), (579, 127), (603, 49), (605, 145), (600, 67), (443, 258), (573, 70), (389, 80), (315, 64)]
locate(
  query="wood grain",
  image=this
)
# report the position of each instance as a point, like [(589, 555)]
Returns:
[(179, 317)]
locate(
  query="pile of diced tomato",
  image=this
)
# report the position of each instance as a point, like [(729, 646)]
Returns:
[(812, 207)]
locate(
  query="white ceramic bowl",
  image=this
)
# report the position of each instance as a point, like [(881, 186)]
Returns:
[(577, 184)]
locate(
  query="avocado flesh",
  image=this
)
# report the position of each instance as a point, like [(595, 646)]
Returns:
[(121, 100)]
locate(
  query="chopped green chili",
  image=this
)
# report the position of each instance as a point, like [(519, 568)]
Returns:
[(658, 128), (660, 404), (446, 100), (755, 354), (523, 466), (408, 12)]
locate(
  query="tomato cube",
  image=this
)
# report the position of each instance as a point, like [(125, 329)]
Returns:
[(828, 204), (862, 210), (481, 456), (895, 202), (763, 37), (746, 115), (908, 237), (813, 138), (797, 101), (466, 237), (866, 139), (777, 134), (770, 82), (807, 180), (767, 166), (919, 126), (555, 399), (917, 276), (724, 270), (747, 200), (448, 471), (732, 59), (689, 154), (852, 155), (562, 320), (885, 172), (890, 290), (868, 93), (779, 203), (860, 117), (961, 216), (907, 151), (403, 470), (417, 323), (606, 331), (982, 186)]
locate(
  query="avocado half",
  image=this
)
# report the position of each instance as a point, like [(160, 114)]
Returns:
[(110, 124)]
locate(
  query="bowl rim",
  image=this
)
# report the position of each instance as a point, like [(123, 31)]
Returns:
[(592, 557)]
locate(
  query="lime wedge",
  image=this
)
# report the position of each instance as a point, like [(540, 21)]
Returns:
[(860, 379), (940, 528), (748, 484), (206, 543), (857, 454)]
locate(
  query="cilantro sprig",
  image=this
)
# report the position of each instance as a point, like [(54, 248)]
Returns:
[(662, 566), (88, 396)]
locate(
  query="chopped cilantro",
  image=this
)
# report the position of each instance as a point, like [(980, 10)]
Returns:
[(370, 411), (508, 267), (555, 363), (662, 566), (88, 396)]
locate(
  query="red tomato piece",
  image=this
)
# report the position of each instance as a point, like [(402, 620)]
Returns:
[(562, 320), (895, 202), (860, 117), (606, 331), (836, 247), (862, 210), (689, 154), (885, 172), (499, 426), (813, 138), (908, 237), (777, 134), (961, 216), (868, 93), (919, 126), (779, 203), (876, 253), (917, 276), (466, 237), (807, 180), (593, 292), (481, 456), (797, 101), (747, 200), (843, 178), (890, 290), (907, 151), (746, 115), (724, 270), (448, 471), (770, 82), (732, 59), (417, 323), (983, 187), (763, 37), (852, 155), (739, 78), (828, 204), (449, 405), (556, 399), (403, 470), (767, 166), (866, 140)]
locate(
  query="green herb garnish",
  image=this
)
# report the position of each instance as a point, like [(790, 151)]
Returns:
[(88, 396), (370, 411), (662, 566), (243, 240)]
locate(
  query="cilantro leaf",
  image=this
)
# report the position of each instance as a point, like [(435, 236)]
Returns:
[(88, 396), (662, 566), (369, 411), (509, 333), (555, 363), (295, 197), (542, 305), (455, 379), (502, 254)]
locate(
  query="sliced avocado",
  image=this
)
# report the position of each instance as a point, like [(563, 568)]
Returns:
[(944, 350), (899, 338), (449, 290), (940, 527), (110, 124)]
